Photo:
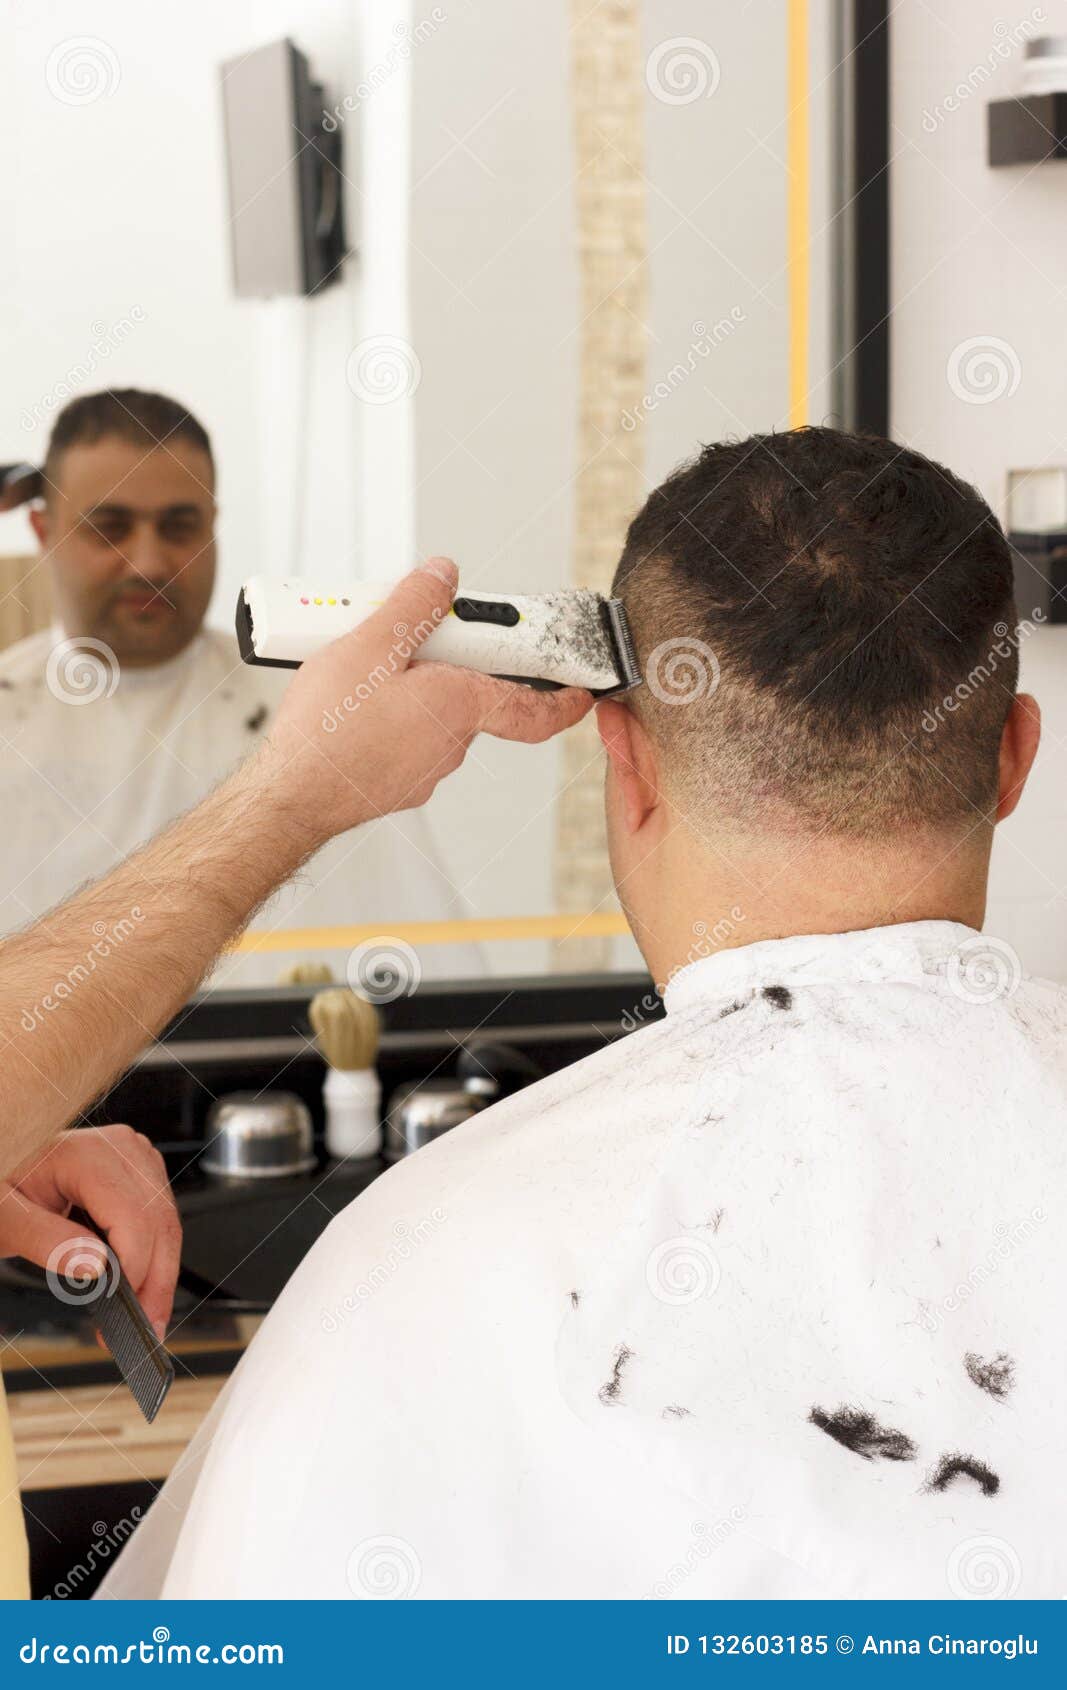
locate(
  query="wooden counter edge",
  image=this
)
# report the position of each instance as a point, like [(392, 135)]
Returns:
[(96, 1434)]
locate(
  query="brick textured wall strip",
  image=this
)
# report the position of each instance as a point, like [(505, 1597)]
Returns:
[(607, 93)]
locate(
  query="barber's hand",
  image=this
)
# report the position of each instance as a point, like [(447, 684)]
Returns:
[(363, 731), (118, 1178)]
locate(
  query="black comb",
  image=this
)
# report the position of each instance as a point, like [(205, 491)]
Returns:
[(141, 1359), (145, 1365)]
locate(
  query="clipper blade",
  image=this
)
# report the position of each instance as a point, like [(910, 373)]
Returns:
[(622, 643)]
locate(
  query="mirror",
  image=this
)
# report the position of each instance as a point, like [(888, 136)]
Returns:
[(575, 244)]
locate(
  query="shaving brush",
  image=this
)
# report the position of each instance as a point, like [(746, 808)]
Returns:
[(347, 1029), (306, 974)]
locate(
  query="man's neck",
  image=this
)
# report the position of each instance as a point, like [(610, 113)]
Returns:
[(751, 890)]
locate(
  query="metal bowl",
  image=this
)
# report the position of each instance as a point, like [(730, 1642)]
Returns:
[(258, 1136), (421, 1111)]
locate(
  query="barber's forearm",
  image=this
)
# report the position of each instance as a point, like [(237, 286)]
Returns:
[(362, 731), (85, 988)]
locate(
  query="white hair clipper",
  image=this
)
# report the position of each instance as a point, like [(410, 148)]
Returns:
[(573, 638)]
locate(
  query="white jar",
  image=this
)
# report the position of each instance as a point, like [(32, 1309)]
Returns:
[(353, 1102)]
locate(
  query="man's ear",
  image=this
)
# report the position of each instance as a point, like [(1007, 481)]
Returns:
[(1018, 748), (38, 516), (633, 764)]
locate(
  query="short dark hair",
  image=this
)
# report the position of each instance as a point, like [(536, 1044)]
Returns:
[(146, 419), (849, 595)]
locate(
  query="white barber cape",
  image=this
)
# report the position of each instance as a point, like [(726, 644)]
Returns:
[(762, 1301), (93, 764)]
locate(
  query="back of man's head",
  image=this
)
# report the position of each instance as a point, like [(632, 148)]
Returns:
[(827, 626)]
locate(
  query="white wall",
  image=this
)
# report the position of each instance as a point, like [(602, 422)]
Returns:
[(116, 262), (982, 254)]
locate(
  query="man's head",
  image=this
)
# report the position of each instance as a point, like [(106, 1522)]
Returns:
[(128, 523), (827, 630)]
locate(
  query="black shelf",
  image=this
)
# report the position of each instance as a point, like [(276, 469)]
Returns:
[(1027, 131)]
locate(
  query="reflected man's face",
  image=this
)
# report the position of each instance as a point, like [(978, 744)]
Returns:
[(129, 533)]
